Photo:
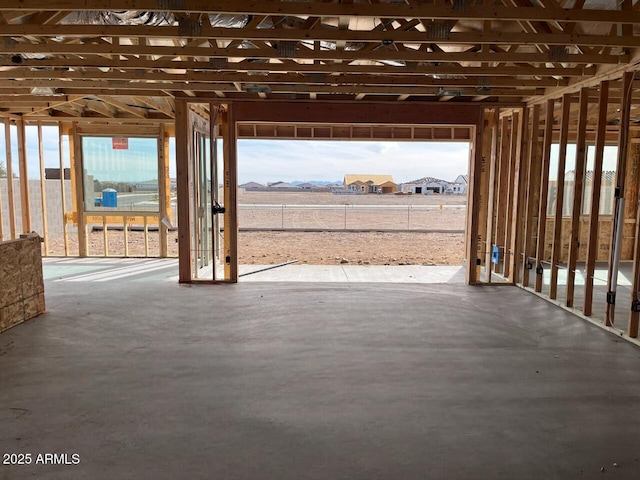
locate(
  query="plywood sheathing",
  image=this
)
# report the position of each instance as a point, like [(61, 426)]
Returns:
[(21, 284)]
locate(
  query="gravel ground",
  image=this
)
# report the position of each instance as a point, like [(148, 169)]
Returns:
[(322, 248)]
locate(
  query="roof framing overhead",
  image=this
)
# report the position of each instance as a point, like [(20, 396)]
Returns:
[(113, 62)]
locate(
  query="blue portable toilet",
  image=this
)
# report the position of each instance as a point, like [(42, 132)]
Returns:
[(495, 254), (109, 197)]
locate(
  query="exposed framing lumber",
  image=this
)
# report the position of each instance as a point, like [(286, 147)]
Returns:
[(483, 207), (43, 191), (380, 10), (581, 164), (557, 220), (491, 198), (77, 195), (625, 111), (405, 55), (594, 214), (519, 175), (513, 148), (502, 193), (321, 68), (183, 184), (532, 194), (65, 230), (473, 241), (25, 207), (376, 36), (632, 206), (9, 167), (165, 191), (230, 195)]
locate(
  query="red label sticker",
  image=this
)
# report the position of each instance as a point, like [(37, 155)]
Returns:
[(120, 143)]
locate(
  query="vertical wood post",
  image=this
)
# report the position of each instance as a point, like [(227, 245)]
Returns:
[(10, 195), (474, 196), (556, 248), (513, 148), (77, 187), (623, 140), (491, 197), (43, 191), (65, 231), (544, 194), (502, 189), (532, 194), (594, 213), (25, 205), (164, 192), (230, 196), (184, 181), (520, 174), (581, 164), (2, 208)]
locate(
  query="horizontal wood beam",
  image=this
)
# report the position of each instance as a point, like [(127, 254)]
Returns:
[(400, 113), (381, 54), (190, 76), (245, 66), (121, 86), (321, 9), (319, 34)]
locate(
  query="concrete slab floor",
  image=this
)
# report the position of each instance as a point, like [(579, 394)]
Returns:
[(316, 381)]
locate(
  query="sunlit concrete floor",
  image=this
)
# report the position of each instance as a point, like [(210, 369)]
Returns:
[(143, 378)]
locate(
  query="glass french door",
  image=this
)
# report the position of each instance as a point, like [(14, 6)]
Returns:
[(207, 212)]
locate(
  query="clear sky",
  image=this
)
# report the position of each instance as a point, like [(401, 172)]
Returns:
[(277, 160)]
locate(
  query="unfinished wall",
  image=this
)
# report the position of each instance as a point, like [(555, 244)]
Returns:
[(21, 284)]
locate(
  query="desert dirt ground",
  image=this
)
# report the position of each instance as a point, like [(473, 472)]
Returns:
[(437, 239)]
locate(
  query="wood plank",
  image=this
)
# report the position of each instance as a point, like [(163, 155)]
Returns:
[(556, 248), (532, 194), (380, 10), (164, 193), (25, 206), (9, 167), (184, 192), (491, 198), (65, 230), (502, 193), (483, 207), (43, 191), (230, 196), (376, 36), (594, 214), (406, 55), (625, 113), (519, 175), (77, 181), (513, 148), (578, 188)]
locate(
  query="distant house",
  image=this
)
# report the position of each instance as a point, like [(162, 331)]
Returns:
[(460, 184), (427, 186), (370, 183), (282, 186), (252, 186)]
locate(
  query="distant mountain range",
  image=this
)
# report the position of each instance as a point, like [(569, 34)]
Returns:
[(317, 182)]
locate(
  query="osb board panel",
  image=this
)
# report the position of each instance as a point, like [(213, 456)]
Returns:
[(604, 239), (33, 306), (11, 315), (10, 273), (31, 268), (21, 284)]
